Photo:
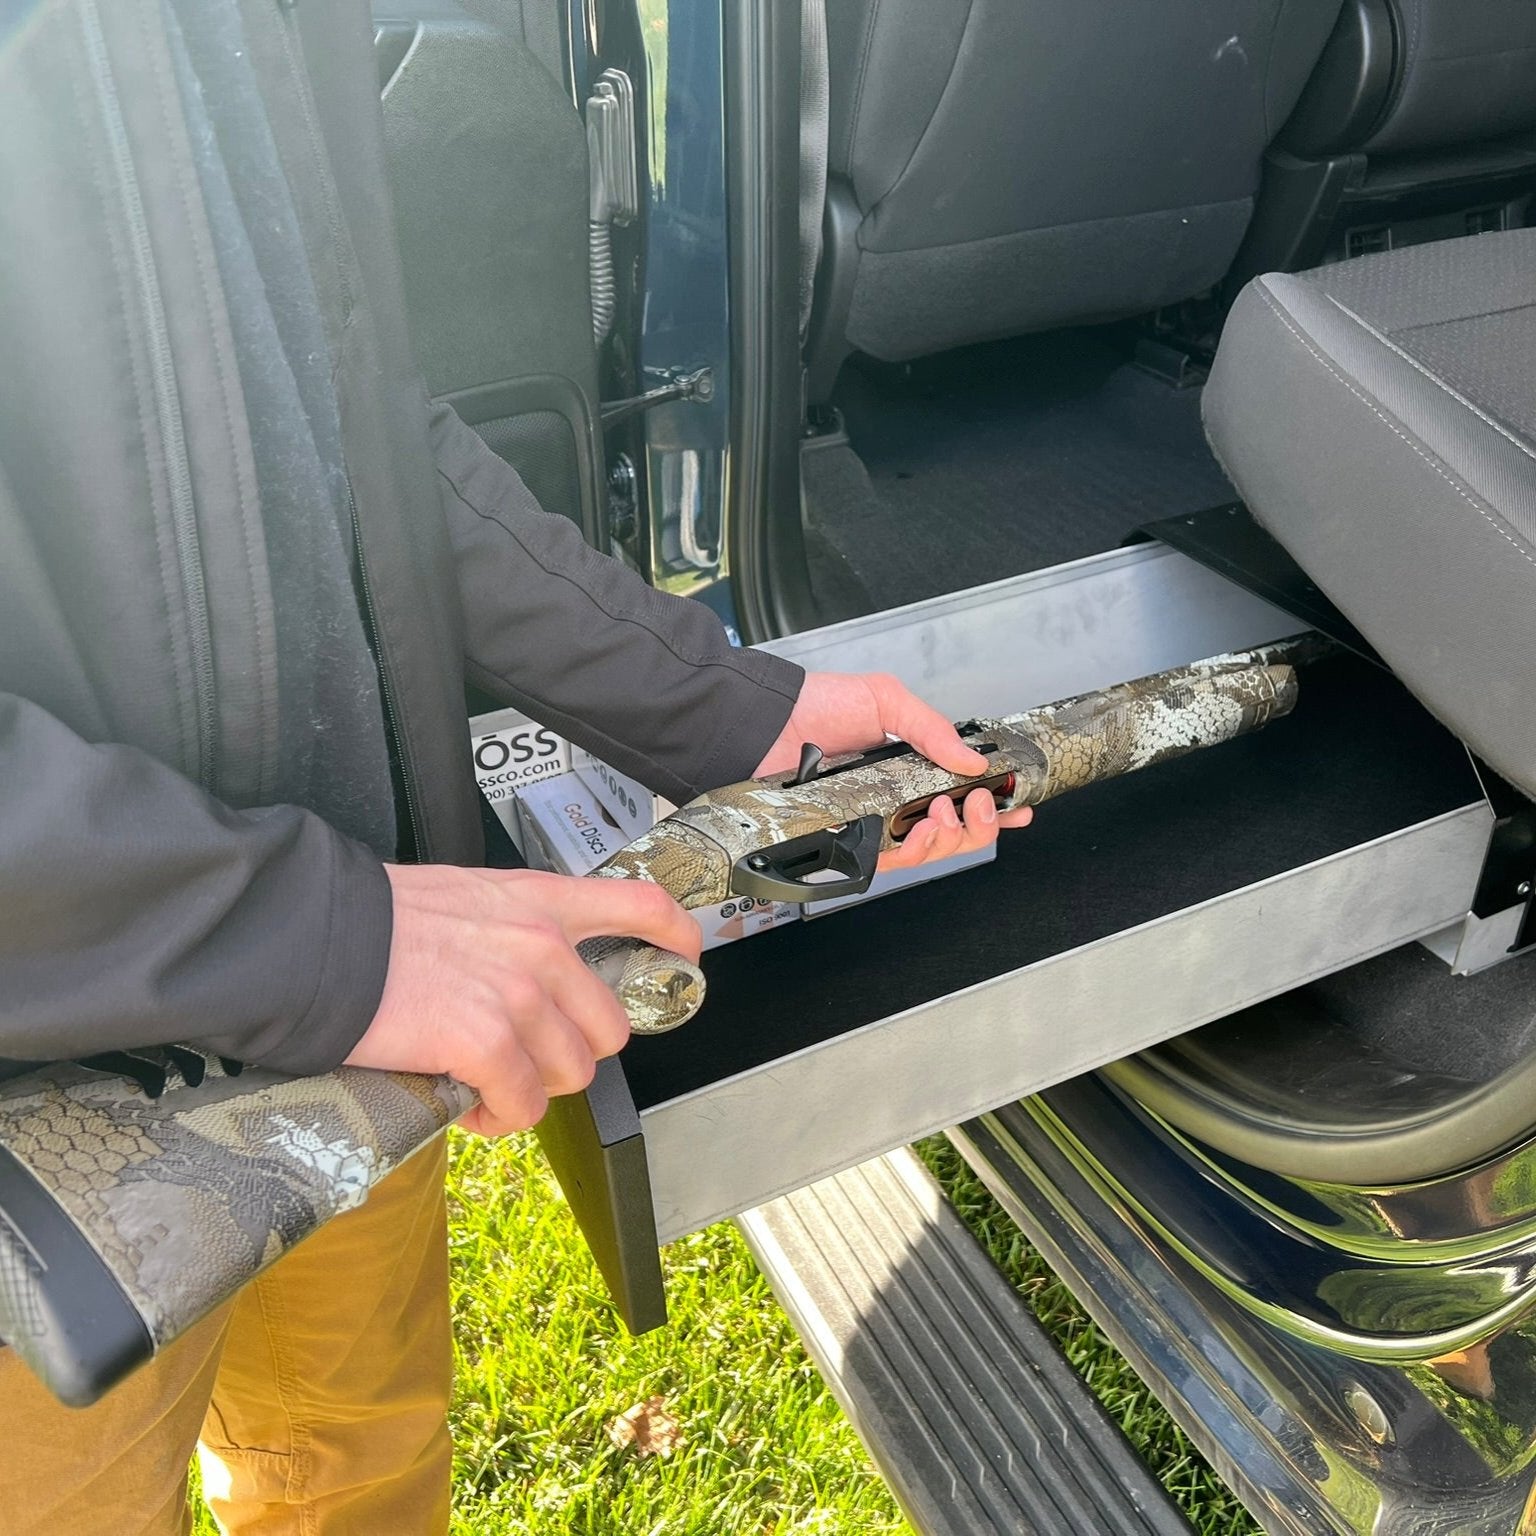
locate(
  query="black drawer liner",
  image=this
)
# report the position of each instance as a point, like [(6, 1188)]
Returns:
[(1358, 760)]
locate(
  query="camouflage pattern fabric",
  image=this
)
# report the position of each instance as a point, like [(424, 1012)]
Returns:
[(188, 1195)]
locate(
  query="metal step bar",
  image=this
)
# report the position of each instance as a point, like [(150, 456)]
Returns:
[(970, 1412)]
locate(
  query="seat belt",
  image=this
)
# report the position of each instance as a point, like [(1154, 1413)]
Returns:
[(814, 112)]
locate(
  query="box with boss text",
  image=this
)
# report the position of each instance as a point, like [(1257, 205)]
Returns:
[(567, 829), (511, 751), (635, 808), (893, 880)]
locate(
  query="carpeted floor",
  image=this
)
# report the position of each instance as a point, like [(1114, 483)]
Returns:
[(1473, 1028), (1002, 458)]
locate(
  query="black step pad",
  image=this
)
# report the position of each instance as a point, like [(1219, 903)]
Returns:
[(971, 1413)]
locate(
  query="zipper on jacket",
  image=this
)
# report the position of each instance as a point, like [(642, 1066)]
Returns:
[(167, 397), (407, 797)]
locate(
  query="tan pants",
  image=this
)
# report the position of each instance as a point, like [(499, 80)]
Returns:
[(318, 1398)]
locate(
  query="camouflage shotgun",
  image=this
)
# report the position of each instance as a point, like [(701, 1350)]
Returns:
[(141, 1190)]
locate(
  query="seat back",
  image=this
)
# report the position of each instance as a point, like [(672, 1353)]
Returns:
[(488, 165), (1467, 71), (1023, 164)]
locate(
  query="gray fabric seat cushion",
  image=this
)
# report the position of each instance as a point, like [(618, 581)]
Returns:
[(1379, 417)]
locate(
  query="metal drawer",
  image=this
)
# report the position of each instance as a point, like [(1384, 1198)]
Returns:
[(1130, 912)]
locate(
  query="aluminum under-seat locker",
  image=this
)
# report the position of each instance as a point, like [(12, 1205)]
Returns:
[(1127, 913)]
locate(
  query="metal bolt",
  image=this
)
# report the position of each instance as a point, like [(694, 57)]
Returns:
[(1523, 889), (621, 476), (1370, 1415), (757, 861)]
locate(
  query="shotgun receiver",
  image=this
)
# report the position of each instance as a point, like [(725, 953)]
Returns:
[(140, 1190)]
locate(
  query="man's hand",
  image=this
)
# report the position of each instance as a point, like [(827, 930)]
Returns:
[(847, 712), (484, 982)]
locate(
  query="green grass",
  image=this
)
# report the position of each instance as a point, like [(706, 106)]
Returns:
[(543, 1368)]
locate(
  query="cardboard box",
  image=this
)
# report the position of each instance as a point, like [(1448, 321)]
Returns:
[(635, 808), (510, 751), (741, 917), (904, 879), (567, 829)]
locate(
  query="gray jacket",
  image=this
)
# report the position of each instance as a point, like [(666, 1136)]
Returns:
[(149, 891)]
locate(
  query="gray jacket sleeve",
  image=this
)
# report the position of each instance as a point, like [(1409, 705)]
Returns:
[(140, 911), (648, 682)]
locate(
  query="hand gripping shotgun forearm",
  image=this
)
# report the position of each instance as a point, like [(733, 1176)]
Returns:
[(139, 1191)]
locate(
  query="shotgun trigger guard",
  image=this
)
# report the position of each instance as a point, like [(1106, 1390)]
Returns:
[(780, 873)]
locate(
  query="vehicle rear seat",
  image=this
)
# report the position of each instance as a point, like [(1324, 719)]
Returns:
[(1379, 417), (1449, 72), (1418, 123), (998, 168)]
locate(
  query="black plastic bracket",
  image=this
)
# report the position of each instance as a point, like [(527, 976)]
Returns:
[(1509, 870), (1229, 542), (73, 1322), (595, 1145)]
